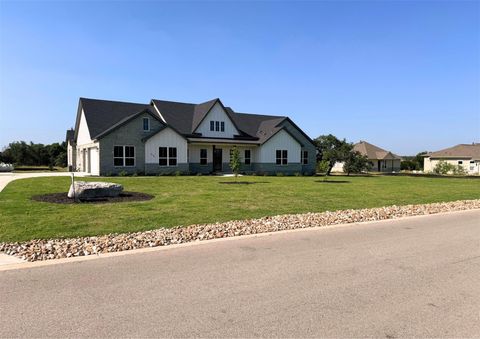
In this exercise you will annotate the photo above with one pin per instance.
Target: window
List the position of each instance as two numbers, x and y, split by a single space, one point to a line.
123 156
203 156
172 156
167 156
282 157
118 156
217 126
472 162
146 124
460 162
304 157
129 156
162 156
248 156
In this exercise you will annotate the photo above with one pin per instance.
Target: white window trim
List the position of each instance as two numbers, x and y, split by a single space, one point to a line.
124 157
281 157
200 157
249 158
302 158
167 157
143 124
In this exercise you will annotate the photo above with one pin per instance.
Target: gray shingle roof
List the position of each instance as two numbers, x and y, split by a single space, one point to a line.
70 136
102 116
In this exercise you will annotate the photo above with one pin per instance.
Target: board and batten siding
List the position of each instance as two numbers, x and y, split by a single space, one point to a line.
194 153
280 141
165 138
217 114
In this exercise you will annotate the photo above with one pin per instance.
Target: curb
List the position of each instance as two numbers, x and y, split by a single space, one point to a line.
42 263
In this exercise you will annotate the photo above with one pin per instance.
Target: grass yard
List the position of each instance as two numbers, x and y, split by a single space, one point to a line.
203 199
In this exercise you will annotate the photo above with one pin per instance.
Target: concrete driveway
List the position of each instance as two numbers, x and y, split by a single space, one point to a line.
412 277
6 178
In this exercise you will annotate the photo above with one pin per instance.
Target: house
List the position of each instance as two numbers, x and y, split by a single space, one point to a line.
111 137
465 155
381 160
71 150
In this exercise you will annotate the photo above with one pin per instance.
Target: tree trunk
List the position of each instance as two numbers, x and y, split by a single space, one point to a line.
330 166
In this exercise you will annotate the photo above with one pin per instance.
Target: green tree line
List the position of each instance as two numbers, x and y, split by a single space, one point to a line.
21 153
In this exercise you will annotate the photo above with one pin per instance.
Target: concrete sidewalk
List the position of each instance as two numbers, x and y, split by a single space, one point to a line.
6 178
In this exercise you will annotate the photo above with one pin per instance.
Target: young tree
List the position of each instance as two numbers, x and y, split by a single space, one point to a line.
332 150
419 158
356 163
235 160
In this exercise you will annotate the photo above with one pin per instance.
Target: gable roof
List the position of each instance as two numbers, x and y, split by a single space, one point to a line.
374 152
201 111
69 137
260 126
459 151
103 115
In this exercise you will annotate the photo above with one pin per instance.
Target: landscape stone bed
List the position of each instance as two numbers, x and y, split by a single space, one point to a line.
61 198
63 248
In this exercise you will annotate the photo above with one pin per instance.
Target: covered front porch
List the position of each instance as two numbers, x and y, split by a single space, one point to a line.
213 156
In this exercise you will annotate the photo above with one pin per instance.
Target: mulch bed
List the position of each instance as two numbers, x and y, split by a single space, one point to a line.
61 198
242 182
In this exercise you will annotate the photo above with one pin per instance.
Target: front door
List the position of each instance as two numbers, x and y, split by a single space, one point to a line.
379 165
217 159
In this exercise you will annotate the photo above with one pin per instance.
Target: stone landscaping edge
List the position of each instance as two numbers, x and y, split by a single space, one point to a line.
35 250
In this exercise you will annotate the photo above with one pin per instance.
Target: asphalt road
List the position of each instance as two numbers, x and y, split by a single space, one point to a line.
412 277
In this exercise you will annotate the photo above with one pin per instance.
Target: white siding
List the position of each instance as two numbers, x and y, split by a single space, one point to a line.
280 141
83 136
430 164
194 153
94 159
217 114
69 154
338 167
165 138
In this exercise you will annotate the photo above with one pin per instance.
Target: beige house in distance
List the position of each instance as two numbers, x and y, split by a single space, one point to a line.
381 160
465 155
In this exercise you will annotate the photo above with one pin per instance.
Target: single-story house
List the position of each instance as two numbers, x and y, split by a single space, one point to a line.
111 137
465 155
381 160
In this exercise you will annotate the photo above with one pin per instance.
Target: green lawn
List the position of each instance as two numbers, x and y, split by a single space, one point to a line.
201 199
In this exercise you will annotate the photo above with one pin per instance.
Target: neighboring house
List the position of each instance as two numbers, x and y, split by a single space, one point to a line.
381 160
71 150
111 137
465 155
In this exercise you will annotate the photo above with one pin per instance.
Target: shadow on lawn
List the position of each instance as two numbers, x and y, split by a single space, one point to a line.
242 182
333 181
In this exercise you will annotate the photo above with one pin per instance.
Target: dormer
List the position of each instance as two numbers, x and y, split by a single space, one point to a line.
211 119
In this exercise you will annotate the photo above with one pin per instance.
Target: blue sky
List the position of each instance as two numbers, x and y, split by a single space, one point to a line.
403 75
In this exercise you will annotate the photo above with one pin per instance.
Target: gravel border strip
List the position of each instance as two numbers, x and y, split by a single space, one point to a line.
35 250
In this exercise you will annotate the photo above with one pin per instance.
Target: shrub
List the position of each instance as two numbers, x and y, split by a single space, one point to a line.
444 168
322 166
122 173
459 170
178 173
279 174
297 174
